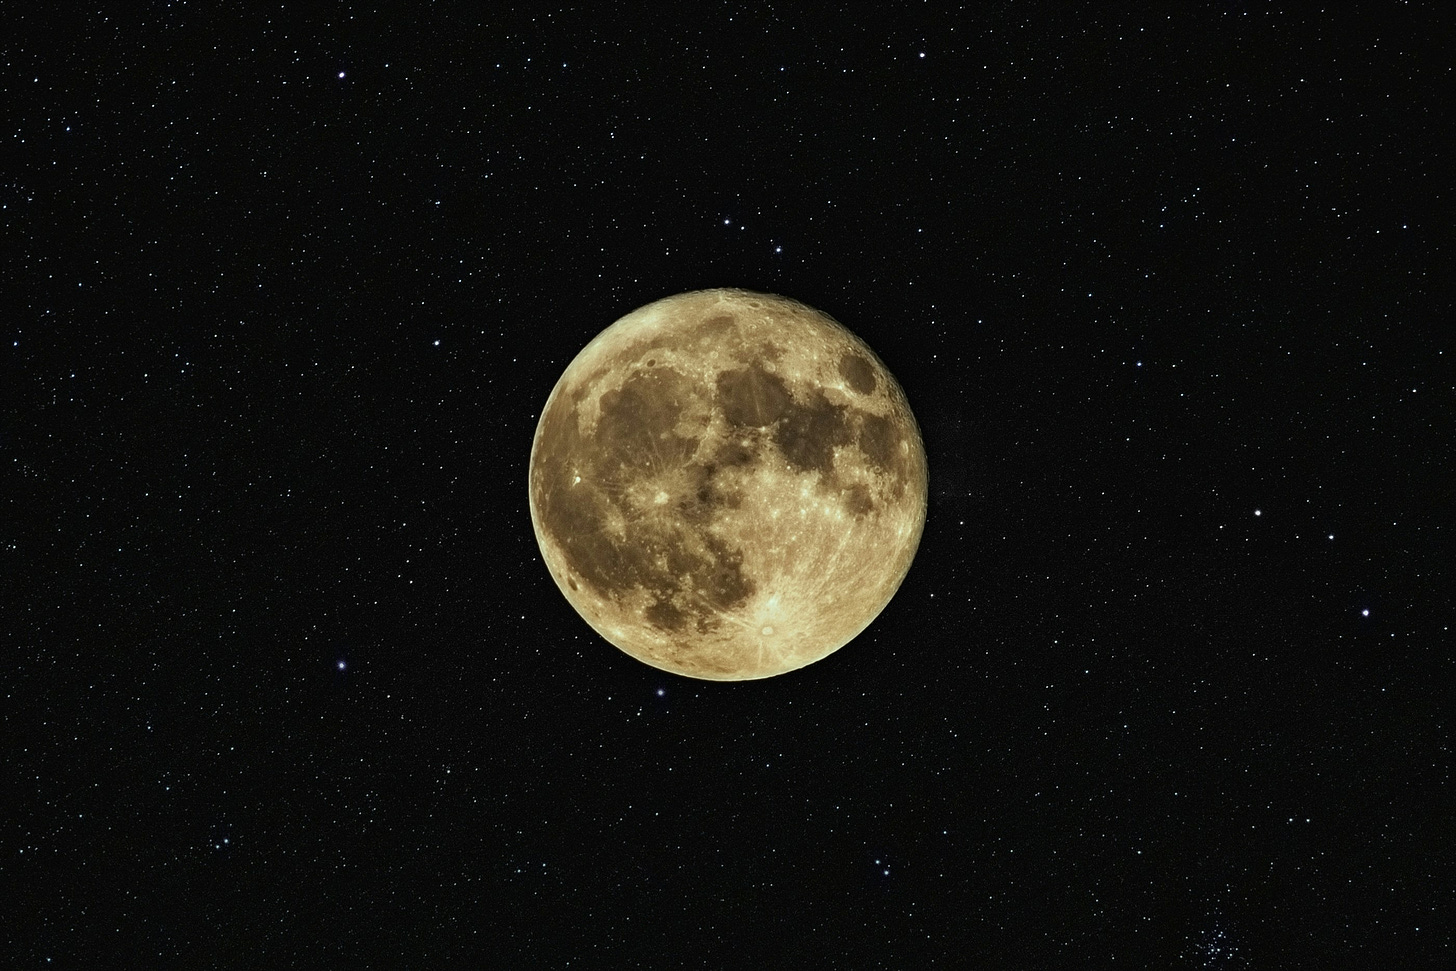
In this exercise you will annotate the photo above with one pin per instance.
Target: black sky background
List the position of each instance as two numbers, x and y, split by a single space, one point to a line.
290 686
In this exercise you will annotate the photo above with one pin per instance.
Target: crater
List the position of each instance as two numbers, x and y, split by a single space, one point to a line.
858 373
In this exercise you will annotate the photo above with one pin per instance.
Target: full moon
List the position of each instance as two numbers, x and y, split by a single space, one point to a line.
727 485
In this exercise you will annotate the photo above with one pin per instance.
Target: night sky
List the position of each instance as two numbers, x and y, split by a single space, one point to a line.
287 682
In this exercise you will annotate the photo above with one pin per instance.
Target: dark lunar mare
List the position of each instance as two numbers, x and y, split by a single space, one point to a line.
688 573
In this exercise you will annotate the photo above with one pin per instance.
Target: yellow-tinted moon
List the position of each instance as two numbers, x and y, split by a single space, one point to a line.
727 485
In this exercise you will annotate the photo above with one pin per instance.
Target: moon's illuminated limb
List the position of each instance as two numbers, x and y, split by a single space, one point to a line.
727 485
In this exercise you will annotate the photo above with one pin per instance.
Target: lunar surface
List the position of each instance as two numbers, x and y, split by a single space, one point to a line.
727 485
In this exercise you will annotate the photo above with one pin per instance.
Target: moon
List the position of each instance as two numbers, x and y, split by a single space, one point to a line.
727 485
